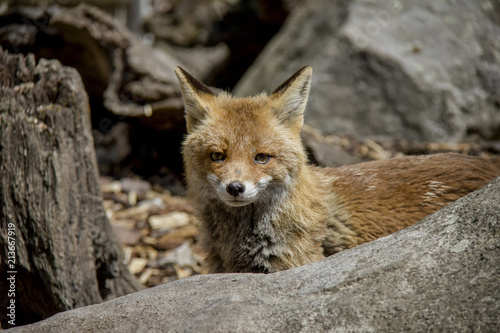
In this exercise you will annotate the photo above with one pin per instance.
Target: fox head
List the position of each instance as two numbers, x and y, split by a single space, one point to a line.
243 150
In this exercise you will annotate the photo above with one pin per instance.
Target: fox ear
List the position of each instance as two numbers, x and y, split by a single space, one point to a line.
291 98
195 96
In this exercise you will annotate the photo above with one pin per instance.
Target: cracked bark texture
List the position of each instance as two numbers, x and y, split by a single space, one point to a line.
66 254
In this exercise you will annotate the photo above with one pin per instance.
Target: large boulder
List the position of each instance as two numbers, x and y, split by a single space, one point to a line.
57 248
425 71
441 274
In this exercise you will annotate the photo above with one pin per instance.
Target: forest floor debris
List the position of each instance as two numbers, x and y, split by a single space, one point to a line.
158 231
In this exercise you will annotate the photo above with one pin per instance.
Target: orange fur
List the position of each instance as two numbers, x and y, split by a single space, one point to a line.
264 209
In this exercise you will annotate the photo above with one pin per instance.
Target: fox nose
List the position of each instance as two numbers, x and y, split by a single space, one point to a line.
235 188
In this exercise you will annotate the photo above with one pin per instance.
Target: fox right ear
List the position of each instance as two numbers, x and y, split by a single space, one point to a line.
291 98
194 94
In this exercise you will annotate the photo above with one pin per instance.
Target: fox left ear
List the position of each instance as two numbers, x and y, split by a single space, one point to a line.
195 95
291 98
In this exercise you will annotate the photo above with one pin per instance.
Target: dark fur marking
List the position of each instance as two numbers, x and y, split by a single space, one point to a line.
197 85
303 90
290 80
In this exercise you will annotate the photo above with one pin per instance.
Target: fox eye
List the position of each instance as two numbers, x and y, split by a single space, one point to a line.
262 158
217 157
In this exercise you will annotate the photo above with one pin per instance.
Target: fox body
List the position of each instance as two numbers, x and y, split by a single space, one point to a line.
264 209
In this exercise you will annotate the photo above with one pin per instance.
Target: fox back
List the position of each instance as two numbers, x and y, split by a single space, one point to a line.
264 209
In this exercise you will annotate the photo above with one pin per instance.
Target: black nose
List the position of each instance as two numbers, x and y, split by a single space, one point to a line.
235 188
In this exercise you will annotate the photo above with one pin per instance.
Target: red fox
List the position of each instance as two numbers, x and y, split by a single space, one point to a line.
264 209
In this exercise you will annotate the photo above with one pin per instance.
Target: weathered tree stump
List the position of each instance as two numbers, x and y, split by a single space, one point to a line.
65 253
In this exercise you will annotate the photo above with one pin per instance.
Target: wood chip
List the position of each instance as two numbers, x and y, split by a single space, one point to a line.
182 272
126 236
137 265
146 274
176 237
112 187
168 221
132 198
135 185
129 224
144 208
127 251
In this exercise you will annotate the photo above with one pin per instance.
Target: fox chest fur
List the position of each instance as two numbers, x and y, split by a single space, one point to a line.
264 209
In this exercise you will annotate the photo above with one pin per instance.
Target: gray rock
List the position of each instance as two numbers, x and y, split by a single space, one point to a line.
326 153
427 71
441 274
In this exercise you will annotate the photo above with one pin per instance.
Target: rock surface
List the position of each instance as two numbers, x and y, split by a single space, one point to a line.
65 253
441 274
417 70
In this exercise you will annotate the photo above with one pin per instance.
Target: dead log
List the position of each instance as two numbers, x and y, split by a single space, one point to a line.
51 207
128 77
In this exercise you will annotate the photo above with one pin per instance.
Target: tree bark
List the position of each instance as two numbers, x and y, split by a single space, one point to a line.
51 207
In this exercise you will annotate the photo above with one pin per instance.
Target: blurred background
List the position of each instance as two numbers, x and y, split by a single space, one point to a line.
390 78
